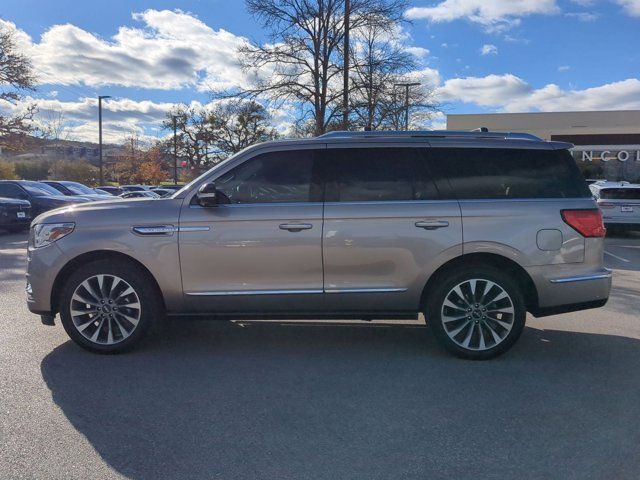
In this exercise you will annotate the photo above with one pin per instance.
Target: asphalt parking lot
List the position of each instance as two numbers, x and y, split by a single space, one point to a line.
288 401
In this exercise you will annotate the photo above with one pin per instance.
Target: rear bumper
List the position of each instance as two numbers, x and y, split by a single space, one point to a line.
569 290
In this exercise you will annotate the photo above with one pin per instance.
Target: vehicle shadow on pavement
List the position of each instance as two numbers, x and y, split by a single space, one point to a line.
221 400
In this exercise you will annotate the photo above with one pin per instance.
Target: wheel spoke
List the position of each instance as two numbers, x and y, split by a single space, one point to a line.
90 304
488 310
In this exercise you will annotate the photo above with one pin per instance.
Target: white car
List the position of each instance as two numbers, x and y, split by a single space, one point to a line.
619 202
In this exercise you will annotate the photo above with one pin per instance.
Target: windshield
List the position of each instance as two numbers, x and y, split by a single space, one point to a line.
39 189
78 188
620 193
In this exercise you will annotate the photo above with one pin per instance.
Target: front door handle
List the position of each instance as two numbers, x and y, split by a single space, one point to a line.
432 224
295 227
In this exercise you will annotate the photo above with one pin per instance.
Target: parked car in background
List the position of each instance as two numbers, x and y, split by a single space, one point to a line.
15 215
619 202
134 188
41 196
163 192
142 194
99 191
171 187
115 191
75 189
361 225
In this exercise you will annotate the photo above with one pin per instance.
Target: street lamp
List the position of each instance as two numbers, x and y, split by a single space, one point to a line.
175 150
406 86
100 97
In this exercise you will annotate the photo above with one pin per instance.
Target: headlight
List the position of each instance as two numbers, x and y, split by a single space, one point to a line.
47 233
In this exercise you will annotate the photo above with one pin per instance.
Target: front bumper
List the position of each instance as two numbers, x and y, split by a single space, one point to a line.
43 266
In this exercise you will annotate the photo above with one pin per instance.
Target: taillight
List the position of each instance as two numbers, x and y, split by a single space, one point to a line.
587 223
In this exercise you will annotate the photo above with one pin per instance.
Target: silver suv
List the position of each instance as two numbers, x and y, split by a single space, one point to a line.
473 229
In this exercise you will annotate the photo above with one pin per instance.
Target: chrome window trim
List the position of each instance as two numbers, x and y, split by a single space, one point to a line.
583 278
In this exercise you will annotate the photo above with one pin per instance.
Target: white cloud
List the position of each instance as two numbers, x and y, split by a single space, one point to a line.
419 52
583 16
169 50
632 7
495 15
489 49
512 94
564 68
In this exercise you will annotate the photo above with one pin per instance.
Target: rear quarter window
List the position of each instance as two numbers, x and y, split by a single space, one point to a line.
620 193
504 173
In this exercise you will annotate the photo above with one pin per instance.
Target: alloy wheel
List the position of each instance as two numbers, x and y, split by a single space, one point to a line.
105 309
477 314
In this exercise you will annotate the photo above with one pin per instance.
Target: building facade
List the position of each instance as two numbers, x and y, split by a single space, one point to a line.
607 143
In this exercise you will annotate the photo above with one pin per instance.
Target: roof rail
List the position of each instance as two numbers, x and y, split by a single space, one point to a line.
432 134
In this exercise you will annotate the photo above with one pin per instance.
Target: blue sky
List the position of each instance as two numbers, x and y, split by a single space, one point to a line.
483 55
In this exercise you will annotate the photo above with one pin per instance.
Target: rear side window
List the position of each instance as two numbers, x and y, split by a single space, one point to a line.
620 193
376 174
501 173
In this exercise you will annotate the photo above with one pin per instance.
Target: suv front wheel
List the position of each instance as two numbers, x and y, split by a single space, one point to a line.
476 312
107 306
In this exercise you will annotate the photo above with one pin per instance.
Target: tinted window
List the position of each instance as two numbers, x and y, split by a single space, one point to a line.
620 193
488 173
9 190
39 189
377 174
270 178
78 188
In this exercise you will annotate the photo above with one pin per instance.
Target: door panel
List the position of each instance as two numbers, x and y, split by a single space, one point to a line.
246 253
385 229
376 258
260 251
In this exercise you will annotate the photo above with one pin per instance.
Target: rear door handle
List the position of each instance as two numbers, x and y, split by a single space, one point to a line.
295 227
432 224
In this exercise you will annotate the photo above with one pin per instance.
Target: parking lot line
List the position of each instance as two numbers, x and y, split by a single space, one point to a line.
616 257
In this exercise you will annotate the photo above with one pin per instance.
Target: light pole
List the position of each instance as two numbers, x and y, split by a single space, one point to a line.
175 150
345 94
406 86
100 97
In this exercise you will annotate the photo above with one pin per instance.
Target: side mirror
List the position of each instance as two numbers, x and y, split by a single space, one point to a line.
207 195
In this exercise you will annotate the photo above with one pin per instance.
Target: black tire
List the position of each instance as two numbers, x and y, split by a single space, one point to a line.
151 306
435 305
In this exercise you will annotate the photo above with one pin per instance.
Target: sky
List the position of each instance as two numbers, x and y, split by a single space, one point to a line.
476 55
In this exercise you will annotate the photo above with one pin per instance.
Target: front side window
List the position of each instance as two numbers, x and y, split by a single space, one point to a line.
502 173
377 174
274 177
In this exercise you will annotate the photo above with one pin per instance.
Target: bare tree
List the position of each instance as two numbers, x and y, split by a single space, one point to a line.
302 63
422 106
16 77
207 136
239 124
194 134
53 125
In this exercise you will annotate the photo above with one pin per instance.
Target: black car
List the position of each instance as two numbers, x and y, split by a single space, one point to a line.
15 215
42 197
75 189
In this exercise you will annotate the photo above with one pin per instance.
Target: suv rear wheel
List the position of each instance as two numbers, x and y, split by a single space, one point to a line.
107 306
477 312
